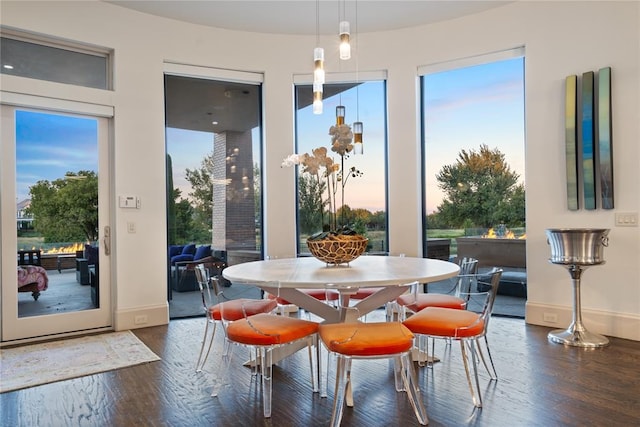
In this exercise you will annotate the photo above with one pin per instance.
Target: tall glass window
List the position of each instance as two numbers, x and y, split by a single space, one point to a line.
364 205
474 149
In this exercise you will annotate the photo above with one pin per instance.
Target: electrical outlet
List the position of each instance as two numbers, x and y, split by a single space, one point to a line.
140 319
550 317
131 227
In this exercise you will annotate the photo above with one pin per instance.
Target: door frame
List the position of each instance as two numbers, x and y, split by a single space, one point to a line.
14 329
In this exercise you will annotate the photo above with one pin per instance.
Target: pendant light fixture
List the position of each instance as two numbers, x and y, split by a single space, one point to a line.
340 113
318 63
317 98
344 30
345 46
318 67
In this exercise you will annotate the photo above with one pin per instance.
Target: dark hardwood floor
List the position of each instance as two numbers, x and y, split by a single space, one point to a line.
540 384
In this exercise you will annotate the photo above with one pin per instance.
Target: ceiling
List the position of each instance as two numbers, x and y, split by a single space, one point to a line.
275 16
195 103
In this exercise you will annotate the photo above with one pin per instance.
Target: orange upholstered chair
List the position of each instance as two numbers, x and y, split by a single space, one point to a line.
263 333
457 298
461 325
233 310
357 340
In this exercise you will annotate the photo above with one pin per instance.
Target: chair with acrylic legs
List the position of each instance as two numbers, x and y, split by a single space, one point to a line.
371 340
464 326
213 309
264 334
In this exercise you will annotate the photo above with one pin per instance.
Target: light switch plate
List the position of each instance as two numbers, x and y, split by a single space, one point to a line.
628 219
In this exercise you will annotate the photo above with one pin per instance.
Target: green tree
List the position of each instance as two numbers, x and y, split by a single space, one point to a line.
310 192
66 209
171 202
435 221
361 215
378 220
257 193
481 189
201 181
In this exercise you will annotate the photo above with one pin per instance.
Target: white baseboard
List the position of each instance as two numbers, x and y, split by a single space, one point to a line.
601 322
141 317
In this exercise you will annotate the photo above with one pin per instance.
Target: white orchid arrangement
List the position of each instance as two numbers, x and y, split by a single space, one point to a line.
322 168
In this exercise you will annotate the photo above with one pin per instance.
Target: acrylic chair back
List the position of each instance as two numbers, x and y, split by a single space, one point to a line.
490 296
205 284
466 278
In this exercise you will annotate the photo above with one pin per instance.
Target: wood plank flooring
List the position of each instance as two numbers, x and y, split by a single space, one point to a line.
540 384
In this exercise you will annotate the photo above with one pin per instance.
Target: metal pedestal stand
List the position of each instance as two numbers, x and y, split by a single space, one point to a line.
576 334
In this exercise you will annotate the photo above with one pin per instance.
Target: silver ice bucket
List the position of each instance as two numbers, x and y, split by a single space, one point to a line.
577 246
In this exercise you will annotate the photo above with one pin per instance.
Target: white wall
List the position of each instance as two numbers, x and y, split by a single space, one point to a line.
560 39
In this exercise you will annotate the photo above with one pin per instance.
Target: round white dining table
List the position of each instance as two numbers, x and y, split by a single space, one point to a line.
284 277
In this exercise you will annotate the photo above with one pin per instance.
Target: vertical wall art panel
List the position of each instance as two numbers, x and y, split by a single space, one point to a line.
605 153
571 141
588 170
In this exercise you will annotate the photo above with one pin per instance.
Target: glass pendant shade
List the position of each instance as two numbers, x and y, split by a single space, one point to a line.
318 65
345 46
340 113
357 138
317 98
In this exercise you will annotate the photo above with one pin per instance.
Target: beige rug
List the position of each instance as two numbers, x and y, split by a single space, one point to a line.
37 364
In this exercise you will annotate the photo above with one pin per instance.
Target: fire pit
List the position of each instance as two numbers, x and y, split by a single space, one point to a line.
576 249
62 258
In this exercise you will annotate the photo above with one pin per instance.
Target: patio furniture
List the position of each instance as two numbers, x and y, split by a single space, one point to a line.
32 278
182 266
85 264
29 257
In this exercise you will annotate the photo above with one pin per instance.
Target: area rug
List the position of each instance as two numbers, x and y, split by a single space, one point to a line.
43 363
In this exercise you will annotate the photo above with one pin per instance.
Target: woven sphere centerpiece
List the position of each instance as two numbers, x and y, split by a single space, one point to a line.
338 249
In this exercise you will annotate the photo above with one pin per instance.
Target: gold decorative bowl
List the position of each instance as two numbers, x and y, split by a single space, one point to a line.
338 249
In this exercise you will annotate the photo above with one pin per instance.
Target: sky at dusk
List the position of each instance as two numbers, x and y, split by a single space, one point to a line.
50 145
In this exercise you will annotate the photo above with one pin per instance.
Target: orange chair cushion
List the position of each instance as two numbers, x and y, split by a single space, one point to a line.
319 294
364 293
232 310
421 301
445 322
269 329
366 339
